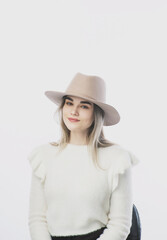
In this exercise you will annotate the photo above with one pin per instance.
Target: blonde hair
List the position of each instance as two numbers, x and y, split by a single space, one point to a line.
95 137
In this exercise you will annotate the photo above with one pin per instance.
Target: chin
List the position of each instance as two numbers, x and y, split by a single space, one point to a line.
72 128
69 126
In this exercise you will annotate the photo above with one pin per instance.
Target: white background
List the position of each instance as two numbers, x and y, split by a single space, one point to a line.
43 44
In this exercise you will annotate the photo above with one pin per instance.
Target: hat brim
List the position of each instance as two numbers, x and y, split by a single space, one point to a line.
111 116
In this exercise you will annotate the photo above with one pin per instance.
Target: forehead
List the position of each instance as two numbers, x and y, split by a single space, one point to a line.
78 99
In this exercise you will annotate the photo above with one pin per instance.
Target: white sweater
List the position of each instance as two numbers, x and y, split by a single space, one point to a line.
70 196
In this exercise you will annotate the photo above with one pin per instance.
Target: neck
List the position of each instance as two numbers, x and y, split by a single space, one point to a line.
78 138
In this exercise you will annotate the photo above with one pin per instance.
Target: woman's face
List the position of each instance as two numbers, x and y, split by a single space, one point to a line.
78 109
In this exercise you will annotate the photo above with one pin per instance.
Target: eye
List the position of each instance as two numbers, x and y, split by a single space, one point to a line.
68 103
84 107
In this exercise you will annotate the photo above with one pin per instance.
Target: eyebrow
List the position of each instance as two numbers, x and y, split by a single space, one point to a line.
80 101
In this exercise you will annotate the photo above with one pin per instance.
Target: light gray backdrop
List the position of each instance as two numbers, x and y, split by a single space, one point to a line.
42 46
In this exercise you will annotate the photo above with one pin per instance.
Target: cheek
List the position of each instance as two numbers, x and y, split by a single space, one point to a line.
64 113
64 110
89 118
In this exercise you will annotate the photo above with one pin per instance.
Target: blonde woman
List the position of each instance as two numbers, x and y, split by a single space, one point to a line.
81 186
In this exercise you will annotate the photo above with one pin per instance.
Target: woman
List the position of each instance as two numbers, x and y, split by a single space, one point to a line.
81 187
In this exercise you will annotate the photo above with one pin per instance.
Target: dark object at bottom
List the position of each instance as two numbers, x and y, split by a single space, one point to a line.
89 236
135 231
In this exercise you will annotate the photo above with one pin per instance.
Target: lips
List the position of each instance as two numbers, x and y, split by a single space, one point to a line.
73 120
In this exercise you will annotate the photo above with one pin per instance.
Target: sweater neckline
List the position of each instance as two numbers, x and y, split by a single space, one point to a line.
76 145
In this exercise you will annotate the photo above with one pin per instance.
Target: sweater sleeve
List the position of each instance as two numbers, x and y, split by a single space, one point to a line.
37 221
121 201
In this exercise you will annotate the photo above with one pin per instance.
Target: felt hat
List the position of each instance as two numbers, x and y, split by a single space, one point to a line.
91 88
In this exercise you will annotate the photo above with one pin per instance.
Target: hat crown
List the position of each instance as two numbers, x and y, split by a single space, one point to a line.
92 87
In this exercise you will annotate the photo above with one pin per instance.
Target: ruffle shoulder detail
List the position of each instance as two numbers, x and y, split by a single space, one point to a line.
123 160
37 164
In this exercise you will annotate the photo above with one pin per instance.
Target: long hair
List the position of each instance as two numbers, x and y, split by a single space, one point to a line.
95 136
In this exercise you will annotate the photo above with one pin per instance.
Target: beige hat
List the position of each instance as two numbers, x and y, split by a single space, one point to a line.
91 88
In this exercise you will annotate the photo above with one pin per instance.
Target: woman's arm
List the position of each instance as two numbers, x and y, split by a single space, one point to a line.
121 206
37 211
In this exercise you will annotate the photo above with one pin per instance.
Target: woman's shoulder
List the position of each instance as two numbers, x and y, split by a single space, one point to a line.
38 157
120 159
41 148
117 155
114 149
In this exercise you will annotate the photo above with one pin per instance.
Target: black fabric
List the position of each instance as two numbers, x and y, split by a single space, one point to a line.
89 236
135 231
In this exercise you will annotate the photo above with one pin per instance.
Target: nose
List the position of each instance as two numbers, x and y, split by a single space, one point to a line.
74 111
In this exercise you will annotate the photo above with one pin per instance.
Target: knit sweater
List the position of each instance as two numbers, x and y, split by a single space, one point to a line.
70 196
